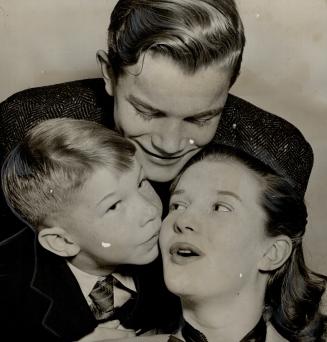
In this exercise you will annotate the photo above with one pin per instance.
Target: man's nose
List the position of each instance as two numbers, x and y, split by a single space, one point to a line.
169 140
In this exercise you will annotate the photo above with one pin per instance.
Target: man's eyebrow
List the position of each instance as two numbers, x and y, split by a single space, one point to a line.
207 113
105 197
229 193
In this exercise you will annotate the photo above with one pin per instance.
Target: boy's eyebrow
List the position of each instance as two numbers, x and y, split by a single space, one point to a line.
212 112
105 197
140 174
177 192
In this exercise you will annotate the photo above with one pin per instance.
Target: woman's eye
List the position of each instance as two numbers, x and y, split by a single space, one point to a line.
220 207
176 206
115 206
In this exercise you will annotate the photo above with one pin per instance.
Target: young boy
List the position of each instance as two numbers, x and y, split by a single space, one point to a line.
78 185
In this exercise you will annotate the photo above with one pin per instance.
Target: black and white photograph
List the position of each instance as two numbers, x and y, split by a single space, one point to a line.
163 170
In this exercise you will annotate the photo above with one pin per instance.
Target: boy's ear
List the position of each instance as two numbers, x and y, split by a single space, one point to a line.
58 241
107 72
276 254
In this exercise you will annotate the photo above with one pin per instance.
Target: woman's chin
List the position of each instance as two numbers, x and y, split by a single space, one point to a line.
179 285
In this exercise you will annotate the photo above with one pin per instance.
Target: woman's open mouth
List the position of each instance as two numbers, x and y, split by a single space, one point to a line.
183 252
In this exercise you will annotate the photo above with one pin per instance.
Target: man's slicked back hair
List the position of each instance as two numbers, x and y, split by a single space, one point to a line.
194 33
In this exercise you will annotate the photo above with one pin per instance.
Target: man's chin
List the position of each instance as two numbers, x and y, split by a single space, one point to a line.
161 173
161 176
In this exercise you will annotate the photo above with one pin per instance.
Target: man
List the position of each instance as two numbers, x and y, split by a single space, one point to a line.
169 67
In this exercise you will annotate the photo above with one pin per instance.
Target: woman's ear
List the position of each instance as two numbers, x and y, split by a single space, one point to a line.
107 72
58 241
276 254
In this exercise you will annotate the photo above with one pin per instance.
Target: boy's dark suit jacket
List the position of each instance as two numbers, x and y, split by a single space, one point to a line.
41 299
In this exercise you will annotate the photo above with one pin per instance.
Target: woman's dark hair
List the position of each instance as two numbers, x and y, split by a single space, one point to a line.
293 291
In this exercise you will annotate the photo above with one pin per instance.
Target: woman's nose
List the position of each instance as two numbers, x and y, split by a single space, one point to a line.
184 223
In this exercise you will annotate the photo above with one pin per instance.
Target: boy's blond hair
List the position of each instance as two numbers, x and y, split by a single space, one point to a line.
54 160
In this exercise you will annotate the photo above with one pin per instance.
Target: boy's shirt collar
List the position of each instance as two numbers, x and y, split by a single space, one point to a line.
87 281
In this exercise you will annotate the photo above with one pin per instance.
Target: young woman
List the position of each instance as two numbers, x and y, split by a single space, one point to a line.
232 250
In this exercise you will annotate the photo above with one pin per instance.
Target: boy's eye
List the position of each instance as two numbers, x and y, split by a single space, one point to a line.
113 207
220 207
177 206
144 182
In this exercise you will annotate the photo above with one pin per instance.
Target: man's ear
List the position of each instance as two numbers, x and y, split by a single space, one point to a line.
107 72
58 241
276 254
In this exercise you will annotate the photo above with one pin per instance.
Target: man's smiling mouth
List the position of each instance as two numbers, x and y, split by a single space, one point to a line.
162 157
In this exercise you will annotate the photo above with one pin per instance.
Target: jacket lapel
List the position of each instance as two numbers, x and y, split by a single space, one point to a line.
68 314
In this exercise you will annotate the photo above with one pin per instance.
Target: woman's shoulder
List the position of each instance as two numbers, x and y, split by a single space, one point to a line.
152 338
273 335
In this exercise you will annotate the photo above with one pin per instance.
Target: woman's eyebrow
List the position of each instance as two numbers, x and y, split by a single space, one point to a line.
229 193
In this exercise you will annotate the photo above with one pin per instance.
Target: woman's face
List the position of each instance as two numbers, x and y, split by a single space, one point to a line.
213 237
167 113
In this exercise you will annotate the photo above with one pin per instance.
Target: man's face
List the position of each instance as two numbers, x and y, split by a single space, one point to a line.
213 237
115 219
168 114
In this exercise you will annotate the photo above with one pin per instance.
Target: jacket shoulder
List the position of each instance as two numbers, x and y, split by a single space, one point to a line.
82 99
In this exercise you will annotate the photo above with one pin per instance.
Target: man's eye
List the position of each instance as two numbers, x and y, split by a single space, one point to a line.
176 206
148 115
220 207
144 115
114 207
201 121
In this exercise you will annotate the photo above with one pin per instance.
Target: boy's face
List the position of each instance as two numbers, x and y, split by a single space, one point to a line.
168 114
115 219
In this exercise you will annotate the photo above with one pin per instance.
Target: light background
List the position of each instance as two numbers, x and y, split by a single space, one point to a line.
284 70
